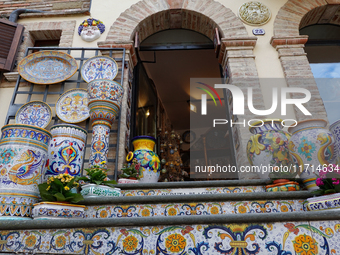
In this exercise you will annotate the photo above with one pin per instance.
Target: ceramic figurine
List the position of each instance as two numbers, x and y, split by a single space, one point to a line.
150 165
66 150
105 98
91 29
312 148
23 155
268 146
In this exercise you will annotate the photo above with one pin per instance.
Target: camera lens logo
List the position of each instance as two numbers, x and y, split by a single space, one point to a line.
204 97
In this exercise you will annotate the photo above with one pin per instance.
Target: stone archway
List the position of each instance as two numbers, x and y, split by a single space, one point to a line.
236 55
289 43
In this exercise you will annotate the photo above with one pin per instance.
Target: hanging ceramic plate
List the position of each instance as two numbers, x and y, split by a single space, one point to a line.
99 67
35 113
47 67
71 106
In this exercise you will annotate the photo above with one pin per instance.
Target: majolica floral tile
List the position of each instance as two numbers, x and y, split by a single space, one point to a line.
276 238
188 191
187 209
326 234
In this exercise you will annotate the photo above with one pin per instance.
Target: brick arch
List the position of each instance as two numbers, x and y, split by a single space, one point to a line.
289 17
149 16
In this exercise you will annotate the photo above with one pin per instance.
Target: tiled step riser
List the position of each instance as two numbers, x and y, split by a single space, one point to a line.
189 209
192 191
315 237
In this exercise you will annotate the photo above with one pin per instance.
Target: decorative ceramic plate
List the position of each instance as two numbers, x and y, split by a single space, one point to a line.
71 106
47 67
99 67
35 113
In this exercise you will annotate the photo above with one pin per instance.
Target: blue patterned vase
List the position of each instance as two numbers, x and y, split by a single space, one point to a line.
150 165
312 148
66 150
335 129
268 148
105 97
23 155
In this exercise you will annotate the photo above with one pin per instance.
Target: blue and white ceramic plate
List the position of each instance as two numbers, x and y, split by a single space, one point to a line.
35 113
99 67
47 67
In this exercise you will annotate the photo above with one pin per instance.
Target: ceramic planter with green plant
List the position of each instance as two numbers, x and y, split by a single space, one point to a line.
130 172
97 184
328 194
59 197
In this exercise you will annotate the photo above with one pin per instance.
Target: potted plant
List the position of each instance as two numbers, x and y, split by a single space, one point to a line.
97 184
59 196
282 180
328 194
131 172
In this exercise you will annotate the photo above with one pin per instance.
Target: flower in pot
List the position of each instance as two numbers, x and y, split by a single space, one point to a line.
131 172
59 199
328 194
96 183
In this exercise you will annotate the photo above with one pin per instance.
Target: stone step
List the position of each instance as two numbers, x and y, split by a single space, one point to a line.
280 233
197 187
201 204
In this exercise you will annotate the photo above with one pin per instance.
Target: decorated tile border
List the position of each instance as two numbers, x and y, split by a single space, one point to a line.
277 238
192 191
187 209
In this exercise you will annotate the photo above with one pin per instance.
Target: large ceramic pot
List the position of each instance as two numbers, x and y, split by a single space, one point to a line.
268 148
105 97
150 165
66 150
57 210
23 155
335 129
94 190
312 148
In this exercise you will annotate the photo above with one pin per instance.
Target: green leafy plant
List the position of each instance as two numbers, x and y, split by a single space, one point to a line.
328 180
97 175
59 189
283 173
131 170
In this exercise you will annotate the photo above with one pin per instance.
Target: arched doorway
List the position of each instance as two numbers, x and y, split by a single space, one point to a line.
323 51
235 55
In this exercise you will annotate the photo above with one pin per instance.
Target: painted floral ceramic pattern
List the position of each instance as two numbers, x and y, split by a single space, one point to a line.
47 67
72 106
188 209
258 238
35 113
99 67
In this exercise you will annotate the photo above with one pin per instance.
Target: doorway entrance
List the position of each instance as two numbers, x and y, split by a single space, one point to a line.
167 61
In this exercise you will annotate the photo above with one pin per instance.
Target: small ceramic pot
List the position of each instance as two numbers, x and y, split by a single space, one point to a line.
283 185
325 202
123 180
94 190
268 147
150 165
57 210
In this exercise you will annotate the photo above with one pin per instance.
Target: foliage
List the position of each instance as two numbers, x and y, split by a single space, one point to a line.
131 170
97 175
59 189
328 180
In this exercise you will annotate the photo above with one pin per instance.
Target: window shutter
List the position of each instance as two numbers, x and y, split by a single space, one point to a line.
10 40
